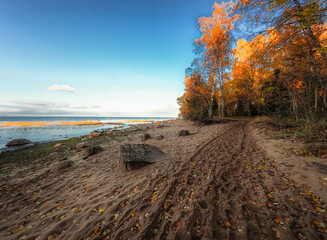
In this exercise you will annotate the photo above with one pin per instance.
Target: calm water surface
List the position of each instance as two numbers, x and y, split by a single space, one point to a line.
57 132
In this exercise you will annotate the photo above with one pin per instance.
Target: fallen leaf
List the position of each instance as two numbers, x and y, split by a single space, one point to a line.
101 210
278 220
192 196
320 210
74 209
227 224
96 231
276 233
197 221
63 216
270 195
17 229
132 214
60 206
301 236
319 224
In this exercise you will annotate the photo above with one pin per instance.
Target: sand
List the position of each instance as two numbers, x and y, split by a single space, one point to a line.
220 182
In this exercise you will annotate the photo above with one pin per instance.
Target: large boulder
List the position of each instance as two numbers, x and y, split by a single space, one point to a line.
18 142
134 156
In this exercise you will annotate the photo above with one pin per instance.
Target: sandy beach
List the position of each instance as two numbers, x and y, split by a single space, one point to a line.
223 181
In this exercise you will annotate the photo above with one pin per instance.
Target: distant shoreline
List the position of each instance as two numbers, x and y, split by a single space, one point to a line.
44 132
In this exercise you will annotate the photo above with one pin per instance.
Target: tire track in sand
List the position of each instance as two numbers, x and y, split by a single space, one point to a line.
228 189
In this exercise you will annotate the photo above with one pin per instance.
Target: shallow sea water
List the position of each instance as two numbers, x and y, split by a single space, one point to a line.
49 133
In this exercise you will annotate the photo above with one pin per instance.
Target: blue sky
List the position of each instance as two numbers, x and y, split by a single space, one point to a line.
103 57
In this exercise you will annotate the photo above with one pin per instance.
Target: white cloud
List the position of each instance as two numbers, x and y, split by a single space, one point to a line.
25 108
114 87
65 88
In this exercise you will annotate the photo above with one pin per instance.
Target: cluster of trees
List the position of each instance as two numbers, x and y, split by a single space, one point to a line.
280 69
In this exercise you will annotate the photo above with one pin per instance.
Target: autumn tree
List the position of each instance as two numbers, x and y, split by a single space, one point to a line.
194 104
280 70
299 28
249 71
216 45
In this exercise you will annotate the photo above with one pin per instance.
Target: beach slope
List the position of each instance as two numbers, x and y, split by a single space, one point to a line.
218 182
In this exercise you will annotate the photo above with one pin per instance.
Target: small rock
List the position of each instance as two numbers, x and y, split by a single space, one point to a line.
145 136
18 142
183 133
82 145
63 166
93 150
84 139
58 145
94 134
159 137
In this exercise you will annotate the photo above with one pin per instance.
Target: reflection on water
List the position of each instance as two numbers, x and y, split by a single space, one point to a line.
48 133
45 129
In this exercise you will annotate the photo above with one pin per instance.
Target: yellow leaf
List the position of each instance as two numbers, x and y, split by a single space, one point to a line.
17 229
74 209
278 220
60 206
101 210
270 195
319 224
228 224
192 196
197 221
320 209
132 214
96 231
